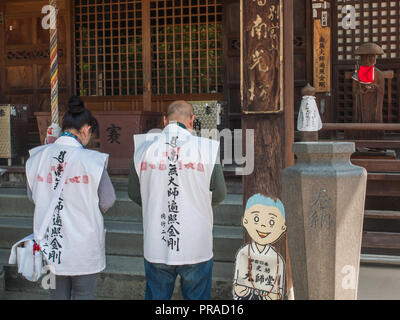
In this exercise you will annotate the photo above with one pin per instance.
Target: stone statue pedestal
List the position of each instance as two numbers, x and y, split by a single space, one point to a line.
324 197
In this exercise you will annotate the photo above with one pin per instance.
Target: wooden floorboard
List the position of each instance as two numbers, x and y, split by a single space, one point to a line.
379 214
384 240
378 165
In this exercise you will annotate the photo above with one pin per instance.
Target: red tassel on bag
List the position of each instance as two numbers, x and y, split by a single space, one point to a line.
36 247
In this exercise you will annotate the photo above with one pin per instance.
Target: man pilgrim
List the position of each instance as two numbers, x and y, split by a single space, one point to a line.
175 179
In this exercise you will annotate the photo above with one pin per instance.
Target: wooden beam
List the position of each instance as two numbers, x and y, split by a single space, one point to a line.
384 177
383 188
379 214
384 144
264 55
2 53
387 74
71 48
146 34
361 126
378 165
384 240
288 84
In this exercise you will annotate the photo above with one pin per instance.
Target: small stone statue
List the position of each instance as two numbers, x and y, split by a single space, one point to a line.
308 121
369 91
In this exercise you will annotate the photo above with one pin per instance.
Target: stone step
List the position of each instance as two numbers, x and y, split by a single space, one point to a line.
11 177
123 278
15 203
16 295
125 238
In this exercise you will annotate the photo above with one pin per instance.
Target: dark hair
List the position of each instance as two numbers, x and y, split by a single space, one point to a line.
77 116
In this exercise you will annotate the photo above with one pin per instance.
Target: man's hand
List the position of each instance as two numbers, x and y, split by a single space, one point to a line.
242 291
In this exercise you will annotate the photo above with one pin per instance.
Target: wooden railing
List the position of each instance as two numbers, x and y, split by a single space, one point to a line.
361 126
377 164
159 102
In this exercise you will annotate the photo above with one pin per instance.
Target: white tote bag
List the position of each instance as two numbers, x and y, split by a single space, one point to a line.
30 262
25 253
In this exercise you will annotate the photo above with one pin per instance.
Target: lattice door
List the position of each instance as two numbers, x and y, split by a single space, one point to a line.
186 42
376 21
186 47
108 38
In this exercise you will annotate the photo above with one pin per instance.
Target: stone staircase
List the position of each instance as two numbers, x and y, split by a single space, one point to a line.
124 276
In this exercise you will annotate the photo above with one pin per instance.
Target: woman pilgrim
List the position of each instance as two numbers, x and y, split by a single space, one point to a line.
74 236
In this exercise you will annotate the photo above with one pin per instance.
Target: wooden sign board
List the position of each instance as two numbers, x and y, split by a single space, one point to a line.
261 52
322 57
322 45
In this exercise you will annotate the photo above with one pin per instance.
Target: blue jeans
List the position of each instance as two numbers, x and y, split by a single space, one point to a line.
195 280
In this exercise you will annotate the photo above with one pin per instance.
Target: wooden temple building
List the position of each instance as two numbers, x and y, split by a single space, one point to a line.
128 59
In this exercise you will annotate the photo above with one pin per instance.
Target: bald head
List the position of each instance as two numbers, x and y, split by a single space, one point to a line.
179 111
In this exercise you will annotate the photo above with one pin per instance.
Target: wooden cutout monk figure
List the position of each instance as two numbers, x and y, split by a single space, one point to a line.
259 268
368 91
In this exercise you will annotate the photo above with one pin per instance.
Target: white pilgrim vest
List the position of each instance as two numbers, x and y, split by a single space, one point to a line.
267 265
74 243
174 169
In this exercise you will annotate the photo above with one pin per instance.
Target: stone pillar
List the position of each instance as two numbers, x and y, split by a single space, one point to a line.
324 197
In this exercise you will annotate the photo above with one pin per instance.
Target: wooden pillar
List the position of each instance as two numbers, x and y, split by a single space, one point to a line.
267 90
2 53
146 36
70 21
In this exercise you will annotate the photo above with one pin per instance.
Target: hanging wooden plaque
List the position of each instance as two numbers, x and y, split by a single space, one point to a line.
261 56
322 57
322 45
